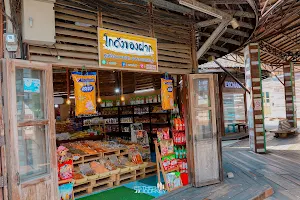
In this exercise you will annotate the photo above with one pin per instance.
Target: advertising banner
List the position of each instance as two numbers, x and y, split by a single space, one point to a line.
118 50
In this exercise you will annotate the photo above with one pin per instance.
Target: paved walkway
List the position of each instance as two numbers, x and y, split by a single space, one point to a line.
279 169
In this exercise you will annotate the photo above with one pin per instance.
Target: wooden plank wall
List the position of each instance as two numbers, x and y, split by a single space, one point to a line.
77 45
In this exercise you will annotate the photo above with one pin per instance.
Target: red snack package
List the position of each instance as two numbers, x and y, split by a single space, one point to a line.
65 170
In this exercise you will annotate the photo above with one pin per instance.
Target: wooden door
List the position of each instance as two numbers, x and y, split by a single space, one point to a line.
30 130
204 143
3 187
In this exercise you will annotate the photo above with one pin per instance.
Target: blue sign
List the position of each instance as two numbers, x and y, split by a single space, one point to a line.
32 85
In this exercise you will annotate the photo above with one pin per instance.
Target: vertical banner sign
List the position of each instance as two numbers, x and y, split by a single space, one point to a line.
249 99
85 94
118 50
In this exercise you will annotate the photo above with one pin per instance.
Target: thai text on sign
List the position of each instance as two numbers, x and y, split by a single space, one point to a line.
118 50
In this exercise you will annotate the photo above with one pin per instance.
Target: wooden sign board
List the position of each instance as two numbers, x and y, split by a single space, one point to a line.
123 51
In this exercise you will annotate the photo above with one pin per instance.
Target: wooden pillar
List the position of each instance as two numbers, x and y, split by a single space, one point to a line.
255 112
289 91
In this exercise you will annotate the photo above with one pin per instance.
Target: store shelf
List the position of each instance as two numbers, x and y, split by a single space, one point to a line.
97 137
160 123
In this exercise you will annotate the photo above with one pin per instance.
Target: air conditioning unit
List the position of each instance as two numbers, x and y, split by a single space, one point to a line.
38 22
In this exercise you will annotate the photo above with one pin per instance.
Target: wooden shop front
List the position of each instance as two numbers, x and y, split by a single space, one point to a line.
31 115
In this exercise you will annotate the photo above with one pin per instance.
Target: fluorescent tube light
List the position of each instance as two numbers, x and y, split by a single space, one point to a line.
204 10
143 91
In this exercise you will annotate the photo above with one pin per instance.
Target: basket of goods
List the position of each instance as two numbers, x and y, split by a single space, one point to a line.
79 178
99 169
135 157
123 168
124 161
88 172
110 166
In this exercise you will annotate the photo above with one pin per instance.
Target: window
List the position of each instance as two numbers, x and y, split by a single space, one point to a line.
32 124
266 97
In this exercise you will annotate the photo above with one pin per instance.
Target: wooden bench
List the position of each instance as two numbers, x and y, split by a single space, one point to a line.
283 133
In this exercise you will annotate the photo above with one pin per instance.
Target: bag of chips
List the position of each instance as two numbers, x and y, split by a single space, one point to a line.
66 191
85 93
167 96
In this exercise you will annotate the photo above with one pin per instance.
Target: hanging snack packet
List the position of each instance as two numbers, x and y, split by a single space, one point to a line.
164 147
160 135
167 96
85 95
166 133
66 191
170 146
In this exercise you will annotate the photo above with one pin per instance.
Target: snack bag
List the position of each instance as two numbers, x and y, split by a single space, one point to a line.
160 135
166 133
167 96
66 191
85 93
170 146
173 161
166 162
164 147
65 170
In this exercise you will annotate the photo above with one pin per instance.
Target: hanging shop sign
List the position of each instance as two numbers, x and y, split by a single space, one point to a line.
118 50
85 94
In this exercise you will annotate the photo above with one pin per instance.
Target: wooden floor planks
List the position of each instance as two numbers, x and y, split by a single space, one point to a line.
279 169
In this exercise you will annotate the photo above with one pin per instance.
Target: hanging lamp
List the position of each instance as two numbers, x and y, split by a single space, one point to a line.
122 96
99 100
68 87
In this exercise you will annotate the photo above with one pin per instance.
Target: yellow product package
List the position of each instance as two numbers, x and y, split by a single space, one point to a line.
167 94
85 93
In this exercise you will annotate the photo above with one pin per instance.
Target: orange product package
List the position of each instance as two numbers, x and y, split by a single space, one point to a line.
167 94
85 93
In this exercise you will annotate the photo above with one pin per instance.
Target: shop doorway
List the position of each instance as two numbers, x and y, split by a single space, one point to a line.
33 135
29 130
205 146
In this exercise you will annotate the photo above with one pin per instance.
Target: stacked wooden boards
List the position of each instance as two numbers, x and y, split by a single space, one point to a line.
76 34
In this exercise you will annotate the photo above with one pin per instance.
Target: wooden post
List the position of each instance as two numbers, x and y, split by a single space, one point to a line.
221 103
194 51
289 92
220 121
255 111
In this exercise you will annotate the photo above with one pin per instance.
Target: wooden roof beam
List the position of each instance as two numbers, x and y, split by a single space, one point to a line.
208 23
170 6
236 32
217 21
225 1
215 47
215 36
223 39
201 7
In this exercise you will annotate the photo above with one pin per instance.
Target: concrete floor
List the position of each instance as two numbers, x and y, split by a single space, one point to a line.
279 169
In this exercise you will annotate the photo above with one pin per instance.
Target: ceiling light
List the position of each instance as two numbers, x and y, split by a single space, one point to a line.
117 90
55 106
201 9
234 23
122 98
68 102
99 100
142 91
